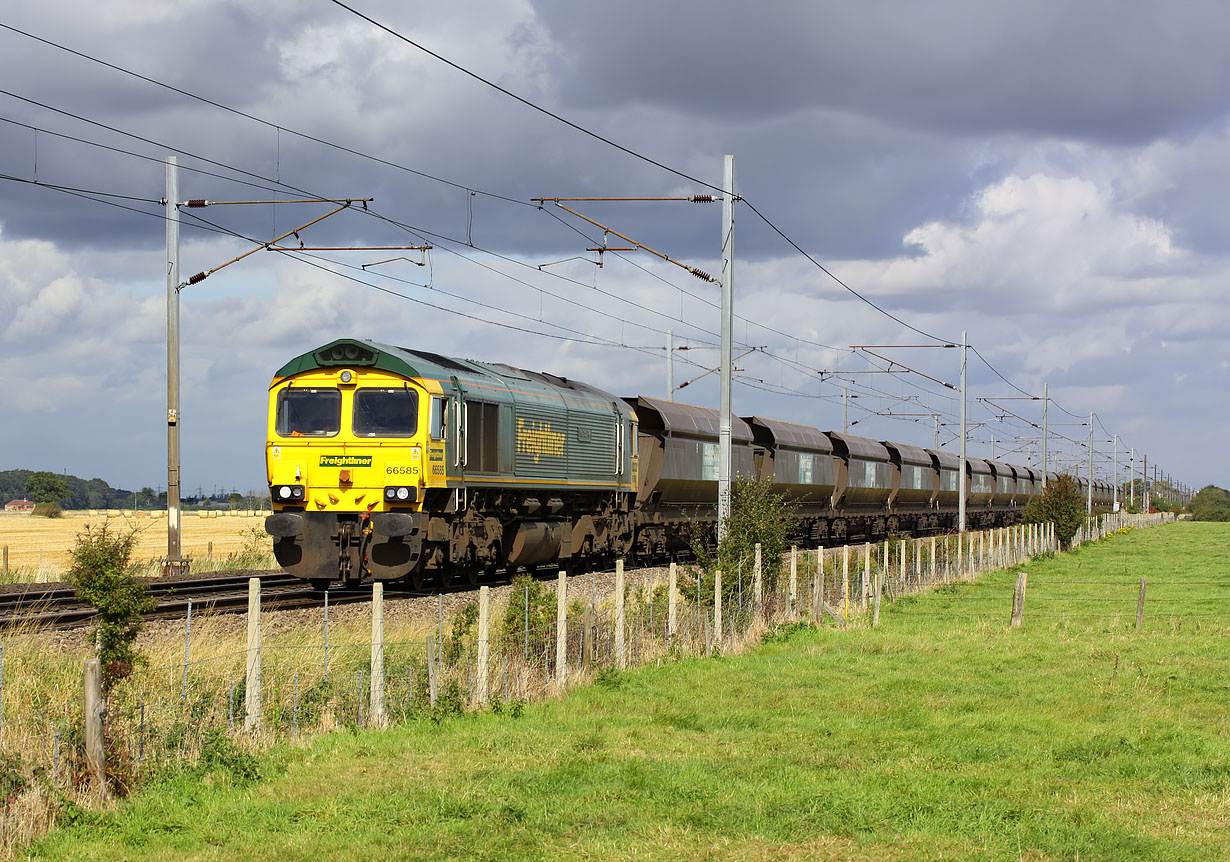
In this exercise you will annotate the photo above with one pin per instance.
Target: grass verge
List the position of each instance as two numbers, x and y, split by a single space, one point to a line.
942 733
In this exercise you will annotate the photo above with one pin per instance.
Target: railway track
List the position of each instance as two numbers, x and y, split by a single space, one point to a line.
59 607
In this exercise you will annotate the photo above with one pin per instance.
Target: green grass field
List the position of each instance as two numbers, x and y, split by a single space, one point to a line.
944 733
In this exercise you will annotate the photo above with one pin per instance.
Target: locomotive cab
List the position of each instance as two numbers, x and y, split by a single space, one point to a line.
349 447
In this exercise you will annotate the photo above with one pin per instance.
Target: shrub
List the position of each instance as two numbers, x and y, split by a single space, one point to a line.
1210 504
541 603
1060 503
47 510
102 574
758 515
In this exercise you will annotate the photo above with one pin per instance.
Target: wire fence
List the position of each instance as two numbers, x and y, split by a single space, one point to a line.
535 642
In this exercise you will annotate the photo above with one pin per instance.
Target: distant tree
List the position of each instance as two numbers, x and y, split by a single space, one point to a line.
1061 504
1210 504
235 499
13 484
44 487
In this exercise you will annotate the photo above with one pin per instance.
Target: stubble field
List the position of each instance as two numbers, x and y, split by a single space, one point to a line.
38 548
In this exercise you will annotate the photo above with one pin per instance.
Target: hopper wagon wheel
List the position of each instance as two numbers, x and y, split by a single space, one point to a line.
445 576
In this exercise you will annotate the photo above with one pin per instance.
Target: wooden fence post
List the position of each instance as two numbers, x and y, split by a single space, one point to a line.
6 559
621 648
875 616
960 556
794 582
904 553
717 609
483 670
95 753
1018 600
932 578
1140 606
433 685
561 628
845 582
817 585
672 600
865 587
757 582
377 714
918 563
252 680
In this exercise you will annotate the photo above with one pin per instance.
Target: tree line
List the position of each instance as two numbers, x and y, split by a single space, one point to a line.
72 492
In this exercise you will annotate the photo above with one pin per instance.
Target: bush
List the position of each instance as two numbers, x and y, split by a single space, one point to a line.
1060 503
542 607
47 510
1210 504
758 515
101 572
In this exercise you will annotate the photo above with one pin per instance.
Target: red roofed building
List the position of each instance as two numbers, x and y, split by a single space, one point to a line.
19 506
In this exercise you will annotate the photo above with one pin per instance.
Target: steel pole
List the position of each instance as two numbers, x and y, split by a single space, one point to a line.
172 219
1089 504
1115 468
962 479
728 272
1132 478
1046 400
845 409
1144 479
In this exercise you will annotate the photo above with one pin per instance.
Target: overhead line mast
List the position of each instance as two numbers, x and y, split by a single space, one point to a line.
175 562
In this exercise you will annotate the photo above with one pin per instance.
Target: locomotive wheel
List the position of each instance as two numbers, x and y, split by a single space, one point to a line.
416 580
445 575
470 574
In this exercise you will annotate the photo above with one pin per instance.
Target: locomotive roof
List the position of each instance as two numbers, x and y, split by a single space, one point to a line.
423 364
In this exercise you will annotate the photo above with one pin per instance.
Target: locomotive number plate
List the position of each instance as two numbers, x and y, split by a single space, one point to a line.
401 469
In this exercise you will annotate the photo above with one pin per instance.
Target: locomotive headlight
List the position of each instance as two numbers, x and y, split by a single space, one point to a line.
347 376
284 492
403 493
390 493
297 492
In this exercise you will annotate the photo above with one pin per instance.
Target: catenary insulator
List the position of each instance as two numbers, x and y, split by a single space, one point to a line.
198 278
701 199
701 274
198 202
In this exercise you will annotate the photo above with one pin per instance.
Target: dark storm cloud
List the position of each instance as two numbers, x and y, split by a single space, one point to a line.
886 180
1104 70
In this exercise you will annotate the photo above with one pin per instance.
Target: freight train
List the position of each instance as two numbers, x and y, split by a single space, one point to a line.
387 463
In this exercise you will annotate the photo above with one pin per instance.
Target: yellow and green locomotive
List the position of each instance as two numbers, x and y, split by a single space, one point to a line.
389 463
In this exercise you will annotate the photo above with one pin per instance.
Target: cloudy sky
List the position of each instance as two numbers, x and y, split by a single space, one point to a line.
1049 178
